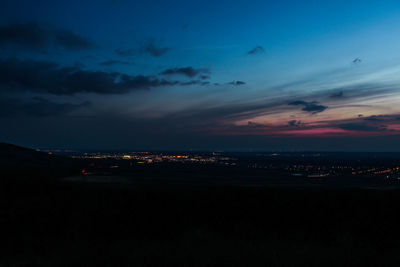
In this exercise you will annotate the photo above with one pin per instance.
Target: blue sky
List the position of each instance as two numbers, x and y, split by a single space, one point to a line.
200 74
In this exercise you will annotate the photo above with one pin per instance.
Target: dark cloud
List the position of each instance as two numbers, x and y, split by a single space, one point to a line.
237 83
361 127
294 123
313 107
125 52
150 47
337 95
36 37
357 60
256 50
29 35
153 49
114 62
49 77
71 41
375 118
194 82
36 107
186 71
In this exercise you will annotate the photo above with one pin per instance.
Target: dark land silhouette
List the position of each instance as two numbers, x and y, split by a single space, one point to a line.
58 211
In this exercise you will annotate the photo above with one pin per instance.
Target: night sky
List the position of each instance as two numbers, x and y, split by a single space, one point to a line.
201 75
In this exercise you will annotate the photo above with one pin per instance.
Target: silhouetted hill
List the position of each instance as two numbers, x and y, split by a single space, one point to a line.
24 161
12 155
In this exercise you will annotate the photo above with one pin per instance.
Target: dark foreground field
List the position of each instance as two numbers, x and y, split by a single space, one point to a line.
50 223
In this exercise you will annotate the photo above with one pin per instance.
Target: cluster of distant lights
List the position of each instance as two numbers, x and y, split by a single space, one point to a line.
322 171
149 158
216 158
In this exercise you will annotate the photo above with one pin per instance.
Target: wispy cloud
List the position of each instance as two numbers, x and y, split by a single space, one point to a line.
114 62
152 48
125 52
256 50
185 71
50 78
237 83
313 107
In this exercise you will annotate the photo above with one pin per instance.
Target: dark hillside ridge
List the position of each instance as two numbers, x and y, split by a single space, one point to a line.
17 161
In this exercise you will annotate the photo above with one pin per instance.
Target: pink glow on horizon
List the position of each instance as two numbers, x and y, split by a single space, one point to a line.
320 132
332 132
394 127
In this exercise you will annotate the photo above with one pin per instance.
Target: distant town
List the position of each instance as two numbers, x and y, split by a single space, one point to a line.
297 164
